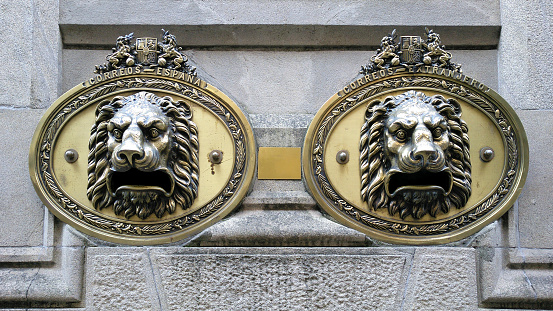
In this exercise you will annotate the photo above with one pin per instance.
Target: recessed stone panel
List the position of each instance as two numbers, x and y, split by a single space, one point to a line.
280 279
442 279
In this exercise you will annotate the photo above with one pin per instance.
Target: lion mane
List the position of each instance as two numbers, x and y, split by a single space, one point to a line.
374 164
183 160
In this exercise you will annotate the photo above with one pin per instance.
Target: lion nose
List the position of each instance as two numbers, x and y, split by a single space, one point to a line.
131 145
425 153
424 149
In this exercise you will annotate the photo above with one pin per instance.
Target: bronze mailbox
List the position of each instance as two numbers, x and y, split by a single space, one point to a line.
414 151
144 152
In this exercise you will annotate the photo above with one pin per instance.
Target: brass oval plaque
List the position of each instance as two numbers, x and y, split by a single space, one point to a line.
144 135
414 130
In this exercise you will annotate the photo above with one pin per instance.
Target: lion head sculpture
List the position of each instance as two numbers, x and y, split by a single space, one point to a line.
143 156
415 155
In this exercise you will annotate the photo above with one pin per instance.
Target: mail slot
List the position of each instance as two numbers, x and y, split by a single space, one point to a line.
413 150
144 152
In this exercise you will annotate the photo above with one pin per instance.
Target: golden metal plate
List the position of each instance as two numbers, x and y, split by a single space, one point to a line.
64 132
279 163
355 160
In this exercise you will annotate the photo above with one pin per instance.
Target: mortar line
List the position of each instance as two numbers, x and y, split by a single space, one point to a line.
520 250
407 280
154 279
45 227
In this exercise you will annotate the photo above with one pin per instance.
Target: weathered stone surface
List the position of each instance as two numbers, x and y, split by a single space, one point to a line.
480 65
16 20
281 82
286 12
489 236
490 266
49 309
536 266
281 121
58 281
280 228
55 233
272 86
280 130
287 189
525 55
174 278
516 278
534 207
120 279
31 28
21 211
262 82
34 254
78 66
280 278
283 23
46 40
442 279
68 236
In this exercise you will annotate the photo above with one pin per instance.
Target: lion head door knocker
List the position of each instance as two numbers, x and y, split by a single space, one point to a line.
420 160
439 154
153 127
143 156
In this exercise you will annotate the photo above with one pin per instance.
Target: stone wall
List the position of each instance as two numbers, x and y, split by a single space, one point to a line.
280 60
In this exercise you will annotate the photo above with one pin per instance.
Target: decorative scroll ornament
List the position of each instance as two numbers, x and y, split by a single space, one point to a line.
418 134
150 128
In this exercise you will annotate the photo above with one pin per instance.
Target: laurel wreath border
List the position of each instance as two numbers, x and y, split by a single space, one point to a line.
175 225
412 229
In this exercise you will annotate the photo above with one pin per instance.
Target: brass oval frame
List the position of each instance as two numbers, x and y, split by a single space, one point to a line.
393 234
240 185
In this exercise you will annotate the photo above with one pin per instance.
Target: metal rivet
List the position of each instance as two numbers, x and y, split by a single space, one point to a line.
216 156
342 157
486 154
71 155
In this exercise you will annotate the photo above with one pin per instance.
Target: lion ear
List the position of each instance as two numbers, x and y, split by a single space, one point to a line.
371 105
389 99
455 104
101 105
185 106
108 111
374 103
104 103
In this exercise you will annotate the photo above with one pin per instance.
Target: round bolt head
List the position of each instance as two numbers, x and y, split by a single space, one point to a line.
486 154
342 157
216 156
71 155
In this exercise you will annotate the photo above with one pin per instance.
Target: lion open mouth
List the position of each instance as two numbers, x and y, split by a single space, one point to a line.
135 179
421 180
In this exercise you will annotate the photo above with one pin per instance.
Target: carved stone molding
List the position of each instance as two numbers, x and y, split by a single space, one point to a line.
516 278
56 282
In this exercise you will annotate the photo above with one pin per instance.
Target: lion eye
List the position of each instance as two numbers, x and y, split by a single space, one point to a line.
437 132
401 135
117 133
153 132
